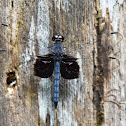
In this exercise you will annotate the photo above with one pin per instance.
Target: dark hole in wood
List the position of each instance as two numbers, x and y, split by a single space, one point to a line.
12 4
11 79
48 120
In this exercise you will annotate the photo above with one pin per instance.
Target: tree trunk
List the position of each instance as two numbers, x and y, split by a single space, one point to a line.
95 34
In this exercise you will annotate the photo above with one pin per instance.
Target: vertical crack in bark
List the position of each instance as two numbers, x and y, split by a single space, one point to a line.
54 17
98 83
101 69
48 120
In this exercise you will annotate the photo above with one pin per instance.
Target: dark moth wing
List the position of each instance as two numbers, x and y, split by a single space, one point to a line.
69 68
44 66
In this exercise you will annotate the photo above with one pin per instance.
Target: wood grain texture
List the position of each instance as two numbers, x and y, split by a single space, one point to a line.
97 97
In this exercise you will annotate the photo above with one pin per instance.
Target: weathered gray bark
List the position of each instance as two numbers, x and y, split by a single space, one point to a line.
97 97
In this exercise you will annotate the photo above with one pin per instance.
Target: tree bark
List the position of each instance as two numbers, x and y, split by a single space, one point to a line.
95 34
